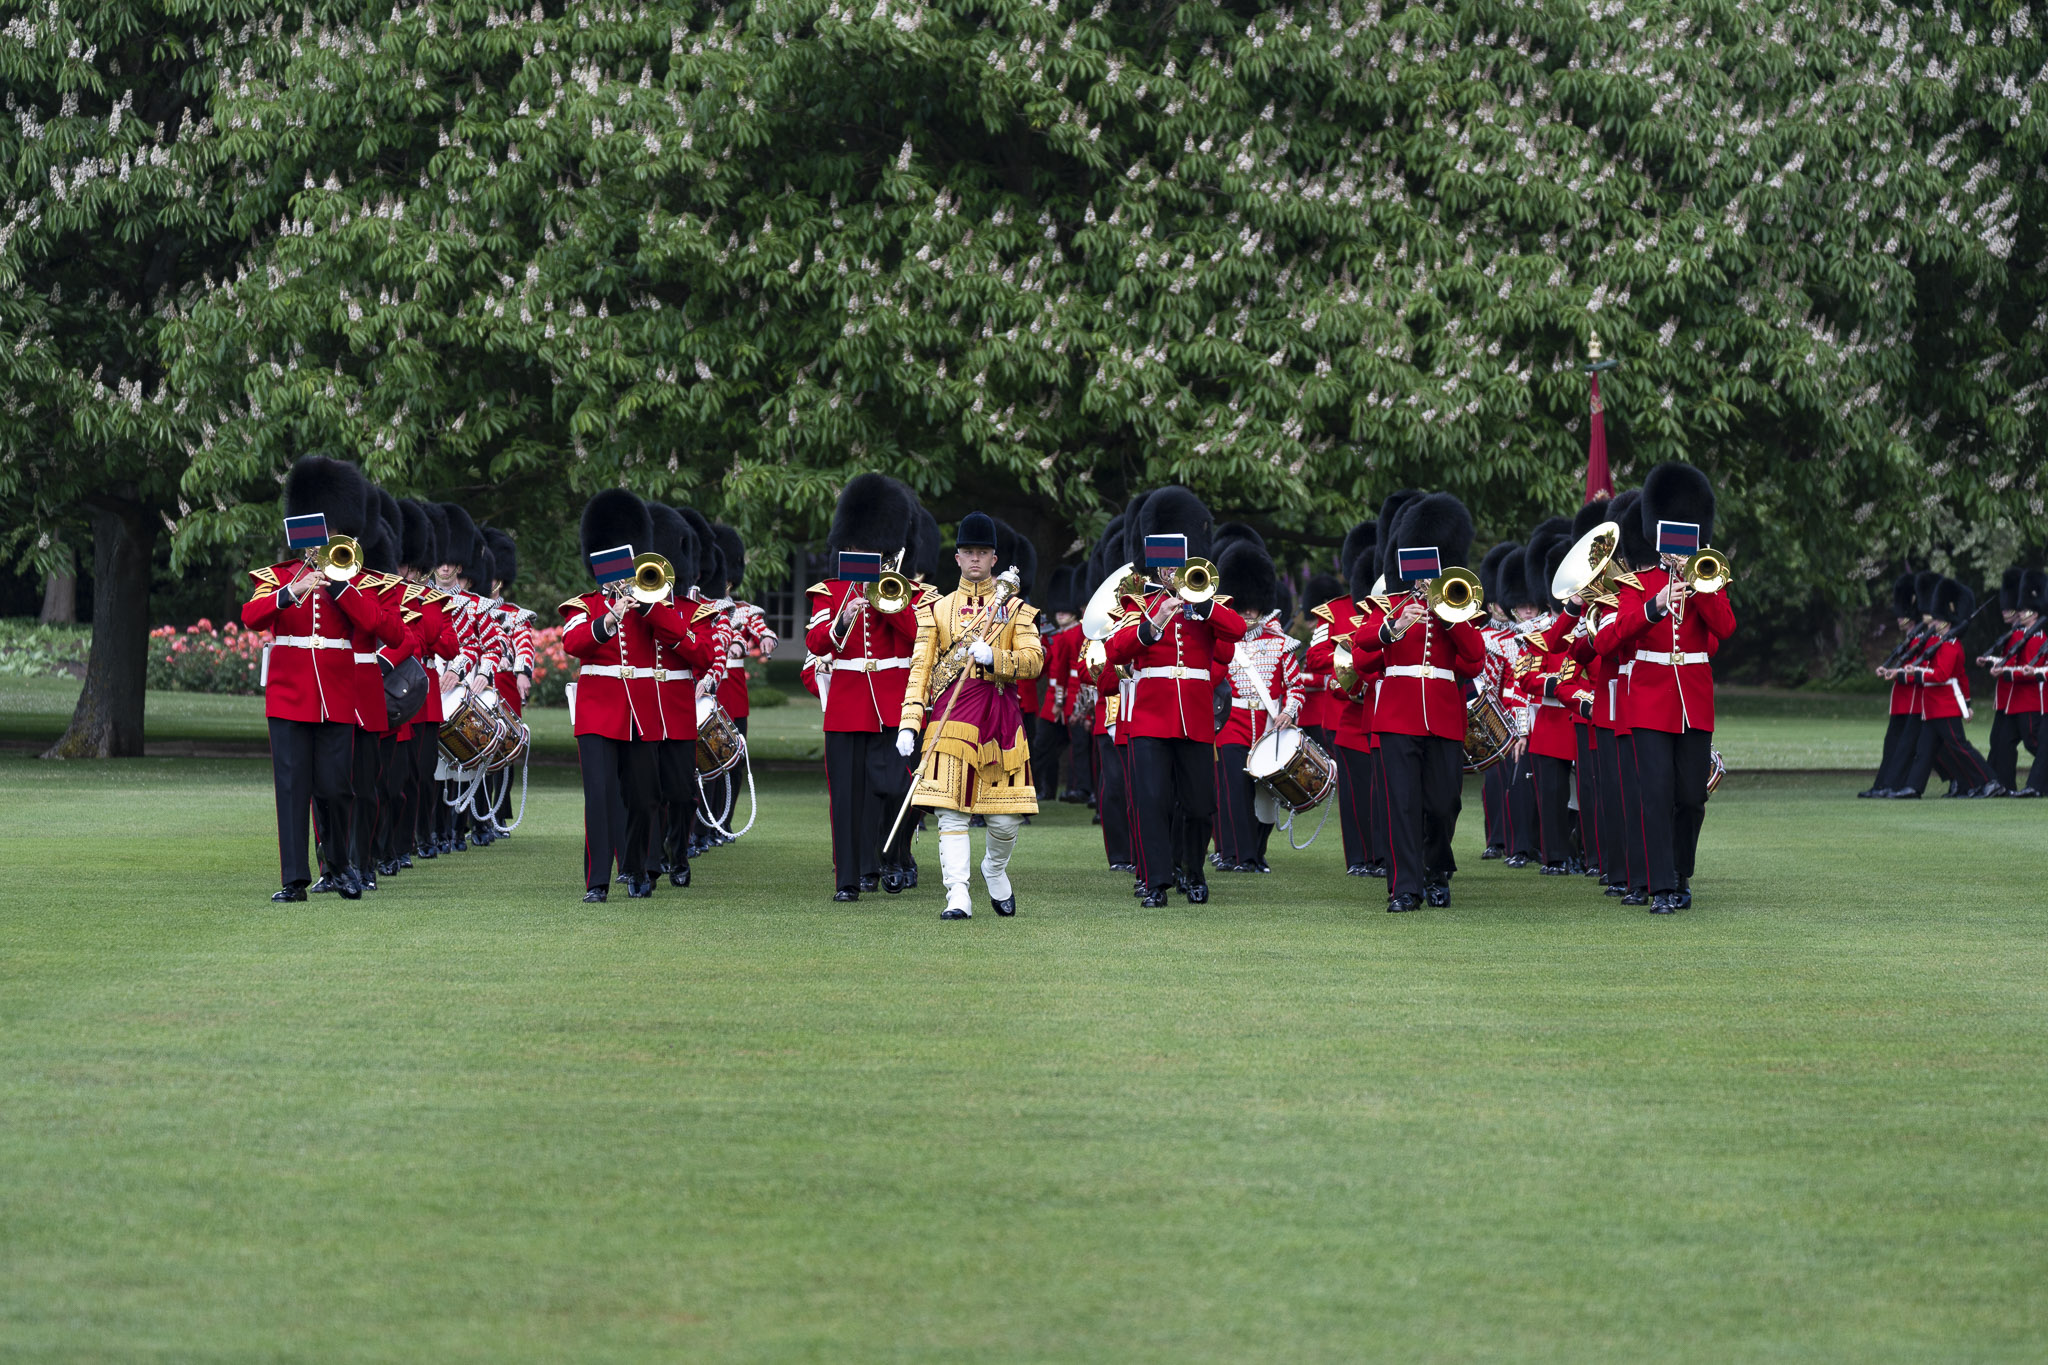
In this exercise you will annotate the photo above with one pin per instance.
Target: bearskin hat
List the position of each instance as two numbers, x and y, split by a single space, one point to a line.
616 517
1489 569
1677 492
1359 540
733 551
1174 510
2033 594
504 556
1953 602
335 489
438 549
415 536
1283 601
1364 572
929 559
1249 579
461 534
1440 520
706 546
670 537
874 514
1383 533
1637 550
1927 591
385 507
1059 590
481 570
1234 530
1550 533
1133 549
711 575
2009 589
1906 595
1014 551
1589 516
380 546
1558 550
1319 589
1511 580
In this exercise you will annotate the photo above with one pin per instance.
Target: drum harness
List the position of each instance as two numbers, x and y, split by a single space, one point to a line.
732 795
1257 686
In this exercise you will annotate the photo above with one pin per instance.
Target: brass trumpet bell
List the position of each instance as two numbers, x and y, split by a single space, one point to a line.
1706 570
1343 668
1455 595
1098 618
341 558
653 578
1588 568
1195 581
890 593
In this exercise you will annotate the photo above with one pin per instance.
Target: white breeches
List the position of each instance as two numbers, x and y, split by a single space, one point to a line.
956 852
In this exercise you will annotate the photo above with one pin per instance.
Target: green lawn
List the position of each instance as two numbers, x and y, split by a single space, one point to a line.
1759 728
472 1119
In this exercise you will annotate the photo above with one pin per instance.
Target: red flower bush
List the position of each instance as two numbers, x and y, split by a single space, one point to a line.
200 658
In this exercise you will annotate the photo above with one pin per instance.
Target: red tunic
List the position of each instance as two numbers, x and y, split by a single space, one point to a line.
1419 690
1671 685
1944 683
618 692
311 672
1172 696
869 666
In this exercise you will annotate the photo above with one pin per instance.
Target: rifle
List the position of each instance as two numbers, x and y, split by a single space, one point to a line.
1934 642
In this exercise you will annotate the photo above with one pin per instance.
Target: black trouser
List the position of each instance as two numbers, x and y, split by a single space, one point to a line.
866 780
1357 784
619 791
366 775
309 765
1672 771
1613 836
1522 822
423 793
1112 801
1237 828
1899 741
1423 778
1633 852
1586 786
394 761
1048 745
2037 777
1493 804
1553 807
2008 733
675 782
1081 761
1169 777
1942 742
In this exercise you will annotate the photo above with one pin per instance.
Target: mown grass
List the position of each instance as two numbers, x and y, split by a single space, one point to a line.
470 1118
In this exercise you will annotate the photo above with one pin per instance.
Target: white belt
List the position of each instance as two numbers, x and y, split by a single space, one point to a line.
310 642
366 658
1420 671
1177 671
630 671
1669 658
868 665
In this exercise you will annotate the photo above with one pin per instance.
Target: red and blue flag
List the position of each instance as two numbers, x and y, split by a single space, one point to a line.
611 565
1166 552
1678 537
860 566
306 533
1418 562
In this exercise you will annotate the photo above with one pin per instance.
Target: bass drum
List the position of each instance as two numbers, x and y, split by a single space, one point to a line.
474 726
720 745
1296 769
1489 732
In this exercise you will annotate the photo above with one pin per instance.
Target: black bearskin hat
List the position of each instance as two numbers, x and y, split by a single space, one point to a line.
1249 579
439 551
1364 572
615 517
1558 550
706 545
384 507
1953 602
1283 602
504 556
1677 492
977 531
461 535
1927 591
480 570
1174 510
1359 540
1589 516
1235 530
874 514
1383 533
1552 533
415 537
1014 551
670 537
2009 589
930 557
733 551
1440 520
1059 590
1133 549
1319 589
1637 549
1489 569
335 489
2033 595
711 574
380 546
1906 596
1512 579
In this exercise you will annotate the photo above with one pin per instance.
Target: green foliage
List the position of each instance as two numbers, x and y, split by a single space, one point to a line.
31 650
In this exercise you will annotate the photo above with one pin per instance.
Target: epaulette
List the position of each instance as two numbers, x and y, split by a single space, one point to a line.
1025 614
704 609
571 607
1628 578
1324 614
267 578
819 586
407 614
1221 599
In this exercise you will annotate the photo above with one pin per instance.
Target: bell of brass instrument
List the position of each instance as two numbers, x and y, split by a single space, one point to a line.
1342 671
341 558
1706 570
1454 595
1588 568
1194 581
653 578
1098 618
892 592
1378 596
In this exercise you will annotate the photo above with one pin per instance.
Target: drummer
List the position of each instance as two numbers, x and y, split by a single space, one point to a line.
1265 691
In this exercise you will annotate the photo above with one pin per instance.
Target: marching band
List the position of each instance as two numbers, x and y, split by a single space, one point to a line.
1572 672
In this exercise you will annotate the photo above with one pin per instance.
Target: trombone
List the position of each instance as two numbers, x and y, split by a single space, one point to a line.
1195 581
1706 570
891 592
1454 595
341 558
653 578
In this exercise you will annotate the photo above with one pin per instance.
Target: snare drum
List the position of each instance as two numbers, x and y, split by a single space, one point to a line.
1488 732
513 737
720 745
473 727
1295 768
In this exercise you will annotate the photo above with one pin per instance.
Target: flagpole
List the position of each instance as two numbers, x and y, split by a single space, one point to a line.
1599 482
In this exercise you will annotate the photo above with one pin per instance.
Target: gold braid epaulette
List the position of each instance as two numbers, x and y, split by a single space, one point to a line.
704 610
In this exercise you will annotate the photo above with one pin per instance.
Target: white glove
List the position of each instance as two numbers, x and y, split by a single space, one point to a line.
983 652
906 743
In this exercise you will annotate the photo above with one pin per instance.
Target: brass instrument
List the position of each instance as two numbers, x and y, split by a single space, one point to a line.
1454 595
341 558
1098 618
1589 571
892 592
1194 581
1706 570
653 578
1342 671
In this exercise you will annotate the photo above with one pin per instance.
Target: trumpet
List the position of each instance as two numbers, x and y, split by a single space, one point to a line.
1194 581
1706 570
653 578
1454 595
891 592
341 558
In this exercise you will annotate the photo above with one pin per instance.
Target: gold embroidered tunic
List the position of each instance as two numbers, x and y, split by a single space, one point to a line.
979 760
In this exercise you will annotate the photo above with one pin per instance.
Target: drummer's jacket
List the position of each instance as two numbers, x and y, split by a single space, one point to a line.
1670 673
1171 693
312 670
870 663
1267 653
1419 690
618 688
1103 680
517 658
1347 714
1944 683
750 634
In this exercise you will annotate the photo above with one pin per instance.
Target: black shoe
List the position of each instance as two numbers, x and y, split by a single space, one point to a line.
1123 867
846 893
1553 870
1517 860
1636 898
910 875
1664 903
1376 870
595 895
1437 894
388 868
461 845
1614 889
1682 898
295 892
1355 870
1197 893
1152 900
1141 890
893 882
640 888
1005 907
1401 904
977 822
870 882
680 876
366 880
623 879
349 885
1491 852
1095 819
953 912
427 851
1904 794
328 882
1257 865
483 838
2026 792
1869 792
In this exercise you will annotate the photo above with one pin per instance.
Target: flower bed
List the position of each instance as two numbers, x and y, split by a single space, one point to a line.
203 658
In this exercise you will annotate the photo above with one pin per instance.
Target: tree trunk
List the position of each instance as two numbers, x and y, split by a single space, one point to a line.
60 596
108 721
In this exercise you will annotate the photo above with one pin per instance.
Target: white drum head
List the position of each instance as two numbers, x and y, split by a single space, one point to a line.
705 706
1274 751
